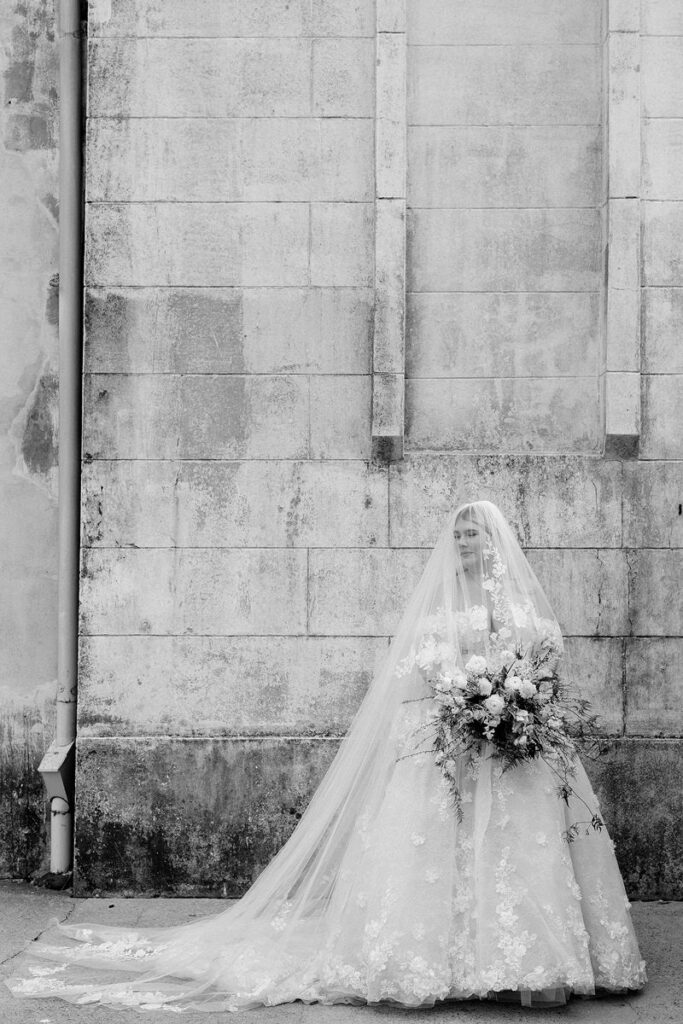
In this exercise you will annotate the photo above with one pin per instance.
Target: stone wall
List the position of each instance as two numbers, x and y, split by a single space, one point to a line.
28 415
245 560
227 429
504 118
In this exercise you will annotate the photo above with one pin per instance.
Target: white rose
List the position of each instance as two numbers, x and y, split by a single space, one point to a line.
459 680
444 652
527 689
425 656
476 665
512 683
507 657
479 618
494 704
485 687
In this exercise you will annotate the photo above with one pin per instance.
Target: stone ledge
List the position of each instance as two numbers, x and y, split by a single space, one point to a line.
204 817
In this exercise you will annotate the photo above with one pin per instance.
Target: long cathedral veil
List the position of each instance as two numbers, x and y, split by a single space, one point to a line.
237 957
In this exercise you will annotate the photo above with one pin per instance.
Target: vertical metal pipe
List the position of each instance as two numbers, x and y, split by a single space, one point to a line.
57 767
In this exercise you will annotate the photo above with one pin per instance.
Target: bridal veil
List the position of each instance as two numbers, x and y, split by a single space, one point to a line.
241 956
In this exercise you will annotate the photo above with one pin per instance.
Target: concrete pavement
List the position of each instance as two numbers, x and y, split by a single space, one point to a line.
25 912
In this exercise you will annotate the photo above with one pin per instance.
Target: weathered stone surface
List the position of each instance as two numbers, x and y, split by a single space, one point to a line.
504 250
662 317
29 159
638 784
623 110
662 158
230 78
228 330
169 416
390 116
652 494
234 504
341 417
391 15
662 17
26 727
662 433
388 391
662 76
593 666
505 334
515 21
342 244
655 602
623 15
148 685
544 414
388 345
624 243
547 165
502 85
222 244
623 329
231 18
343 72
654 682
259 159
587 589
189 816
662 252
622 405
361 592
555 501
206 591
240 799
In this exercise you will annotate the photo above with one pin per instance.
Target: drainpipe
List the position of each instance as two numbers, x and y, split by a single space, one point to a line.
57 767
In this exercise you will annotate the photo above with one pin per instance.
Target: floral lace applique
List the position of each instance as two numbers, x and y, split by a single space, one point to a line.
279 922
473 766
513 941
479 617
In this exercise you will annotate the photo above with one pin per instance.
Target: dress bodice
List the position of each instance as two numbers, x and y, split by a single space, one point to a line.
473 631
477 634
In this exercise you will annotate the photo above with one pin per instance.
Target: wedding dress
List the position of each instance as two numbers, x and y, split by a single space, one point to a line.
383 893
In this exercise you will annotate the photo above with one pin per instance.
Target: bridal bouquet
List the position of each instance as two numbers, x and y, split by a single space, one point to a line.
515 700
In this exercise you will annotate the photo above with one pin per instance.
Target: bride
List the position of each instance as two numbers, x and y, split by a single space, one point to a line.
383 892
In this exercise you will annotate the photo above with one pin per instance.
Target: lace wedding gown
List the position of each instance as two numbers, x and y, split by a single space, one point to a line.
391 896
499 901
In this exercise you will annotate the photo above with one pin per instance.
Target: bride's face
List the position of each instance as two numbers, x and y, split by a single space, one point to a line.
470 539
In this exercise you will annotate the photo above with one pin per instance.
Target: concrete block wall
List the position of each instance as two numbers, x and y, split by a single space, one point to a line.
505 242
245 560
229 299
28 423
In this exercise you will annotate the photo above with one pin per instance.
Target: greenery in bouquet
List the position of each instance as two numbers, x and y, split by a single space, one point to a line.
515 700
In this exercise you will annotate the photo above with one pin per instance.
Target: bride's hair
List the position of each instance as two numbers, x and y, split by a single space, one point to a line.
472 512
